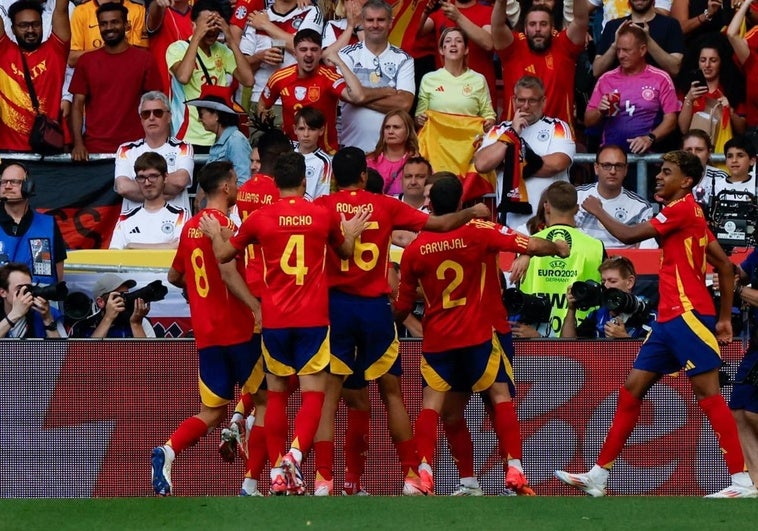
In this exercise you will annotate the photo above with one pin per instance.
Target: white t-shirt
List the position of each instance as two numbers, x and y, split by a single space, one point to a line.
704 190
393 67
178 154
141 226
545 136
627 207
318 173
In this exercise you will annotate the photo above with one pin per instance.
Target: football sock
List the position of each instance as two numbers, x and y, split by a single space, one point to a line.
461 446
245 405
406 452
356 443
508 430
306 420
256 451
426 434
624 421
725 428
276 425
188 433
323 459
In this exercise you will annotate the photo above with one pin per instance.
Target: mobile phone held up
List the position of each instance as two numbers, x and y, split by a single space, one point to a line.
698 77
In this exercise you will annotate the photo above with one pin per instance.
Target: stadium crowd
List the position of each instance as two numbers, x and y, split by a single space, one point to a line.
296 104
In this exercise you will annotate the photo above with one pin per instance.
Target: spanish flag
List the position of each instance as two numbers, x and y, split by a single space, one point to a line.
448 142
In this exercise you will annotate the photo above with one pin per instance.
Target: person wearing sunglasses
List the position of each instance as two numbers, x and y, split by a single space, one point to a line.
155 115
624 205
155 224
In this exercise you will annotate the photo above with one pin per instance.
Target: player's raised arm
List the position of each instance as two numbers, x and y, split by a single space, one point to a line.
624 233
543 247
223 250
453 220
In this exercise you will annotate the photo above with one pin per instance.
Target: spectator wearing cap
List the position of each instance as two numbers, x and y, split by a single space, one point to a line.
26 235
219 114
23 314
111 320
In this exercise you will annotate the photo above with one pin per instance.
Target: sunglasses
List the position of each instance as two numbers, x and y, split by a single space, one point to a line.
157 112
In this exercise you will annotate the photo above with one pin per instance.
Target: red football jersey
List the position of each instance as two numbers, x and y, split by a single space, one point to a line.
293 234
449 267
365 274
321 90
257 192
556 69
242 8
218 317
683 235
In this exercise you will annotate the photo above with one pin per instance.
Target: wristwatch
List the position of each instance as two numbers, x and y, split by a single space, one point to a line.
357 28
652 137
52 327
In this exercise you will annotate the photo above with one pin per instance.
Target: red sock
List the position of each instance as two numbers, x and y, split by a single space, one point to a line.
426 434
324 459
725 428
624 421
508 430
276 426
245 404
256 451
188 433
406 452
461 446
306 420
356 444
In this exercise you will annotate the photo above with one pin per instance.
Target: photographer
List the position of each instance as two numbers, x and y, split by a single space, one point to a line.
111 319
615 272
24 315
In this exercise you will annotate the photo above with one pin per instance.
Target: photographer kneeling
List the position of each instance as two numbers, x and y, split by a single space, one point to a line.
24 314
113 318
620 315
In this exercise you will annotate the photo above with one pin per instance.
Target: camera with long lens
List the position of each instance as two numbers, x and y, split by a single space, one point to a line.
622 302
530 309
153 292
587 294
53 292
733 219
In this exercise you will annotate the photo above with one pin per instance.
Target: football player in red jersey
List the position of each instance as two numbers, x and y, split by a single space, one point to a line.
218 296
687 333
294 235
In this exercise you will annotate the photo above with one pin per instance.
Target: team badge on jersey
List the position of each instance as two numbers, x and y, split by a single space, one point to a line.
167 227
300 93
467 90
170 159
314 93
543 136
390 68
240 13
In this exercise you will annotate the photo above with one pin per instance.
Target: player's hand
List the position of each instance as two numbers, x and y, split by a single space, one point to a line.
519 267
724 331
356 225
615 329
563 248
592 205
480 210
141 309
210 226
524 330
256 309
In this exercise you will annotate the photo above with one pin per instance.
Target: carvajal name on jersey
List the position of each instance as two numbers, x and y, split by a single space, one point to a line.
444 245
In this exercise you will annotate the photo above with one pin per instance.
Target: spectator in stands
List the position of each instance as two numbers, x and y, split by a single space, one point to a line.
624 205
155 224
155 113
344 27
309 128
548 139
416 172
309 81
28 236
85 27
474 21
464 90
635 103
46 61
538 52
48 9
397 143
713 106
167 21
24 315
740 165
220 115
203 60
587 253
377 64
616 272
613 9
700 18
107 84
114 319
662 36
747 58
697 142
268 39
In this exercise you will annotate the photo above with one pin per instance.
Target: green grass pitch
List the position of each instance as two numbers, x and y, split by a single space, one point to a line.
370 513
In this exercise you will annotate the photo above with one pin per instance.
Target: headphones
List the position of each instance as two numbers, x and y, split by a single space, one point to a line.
27 187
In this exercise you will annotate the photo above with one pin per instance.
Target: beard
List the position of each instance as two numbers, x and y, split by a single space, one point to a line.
115 39
539 48
29 46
